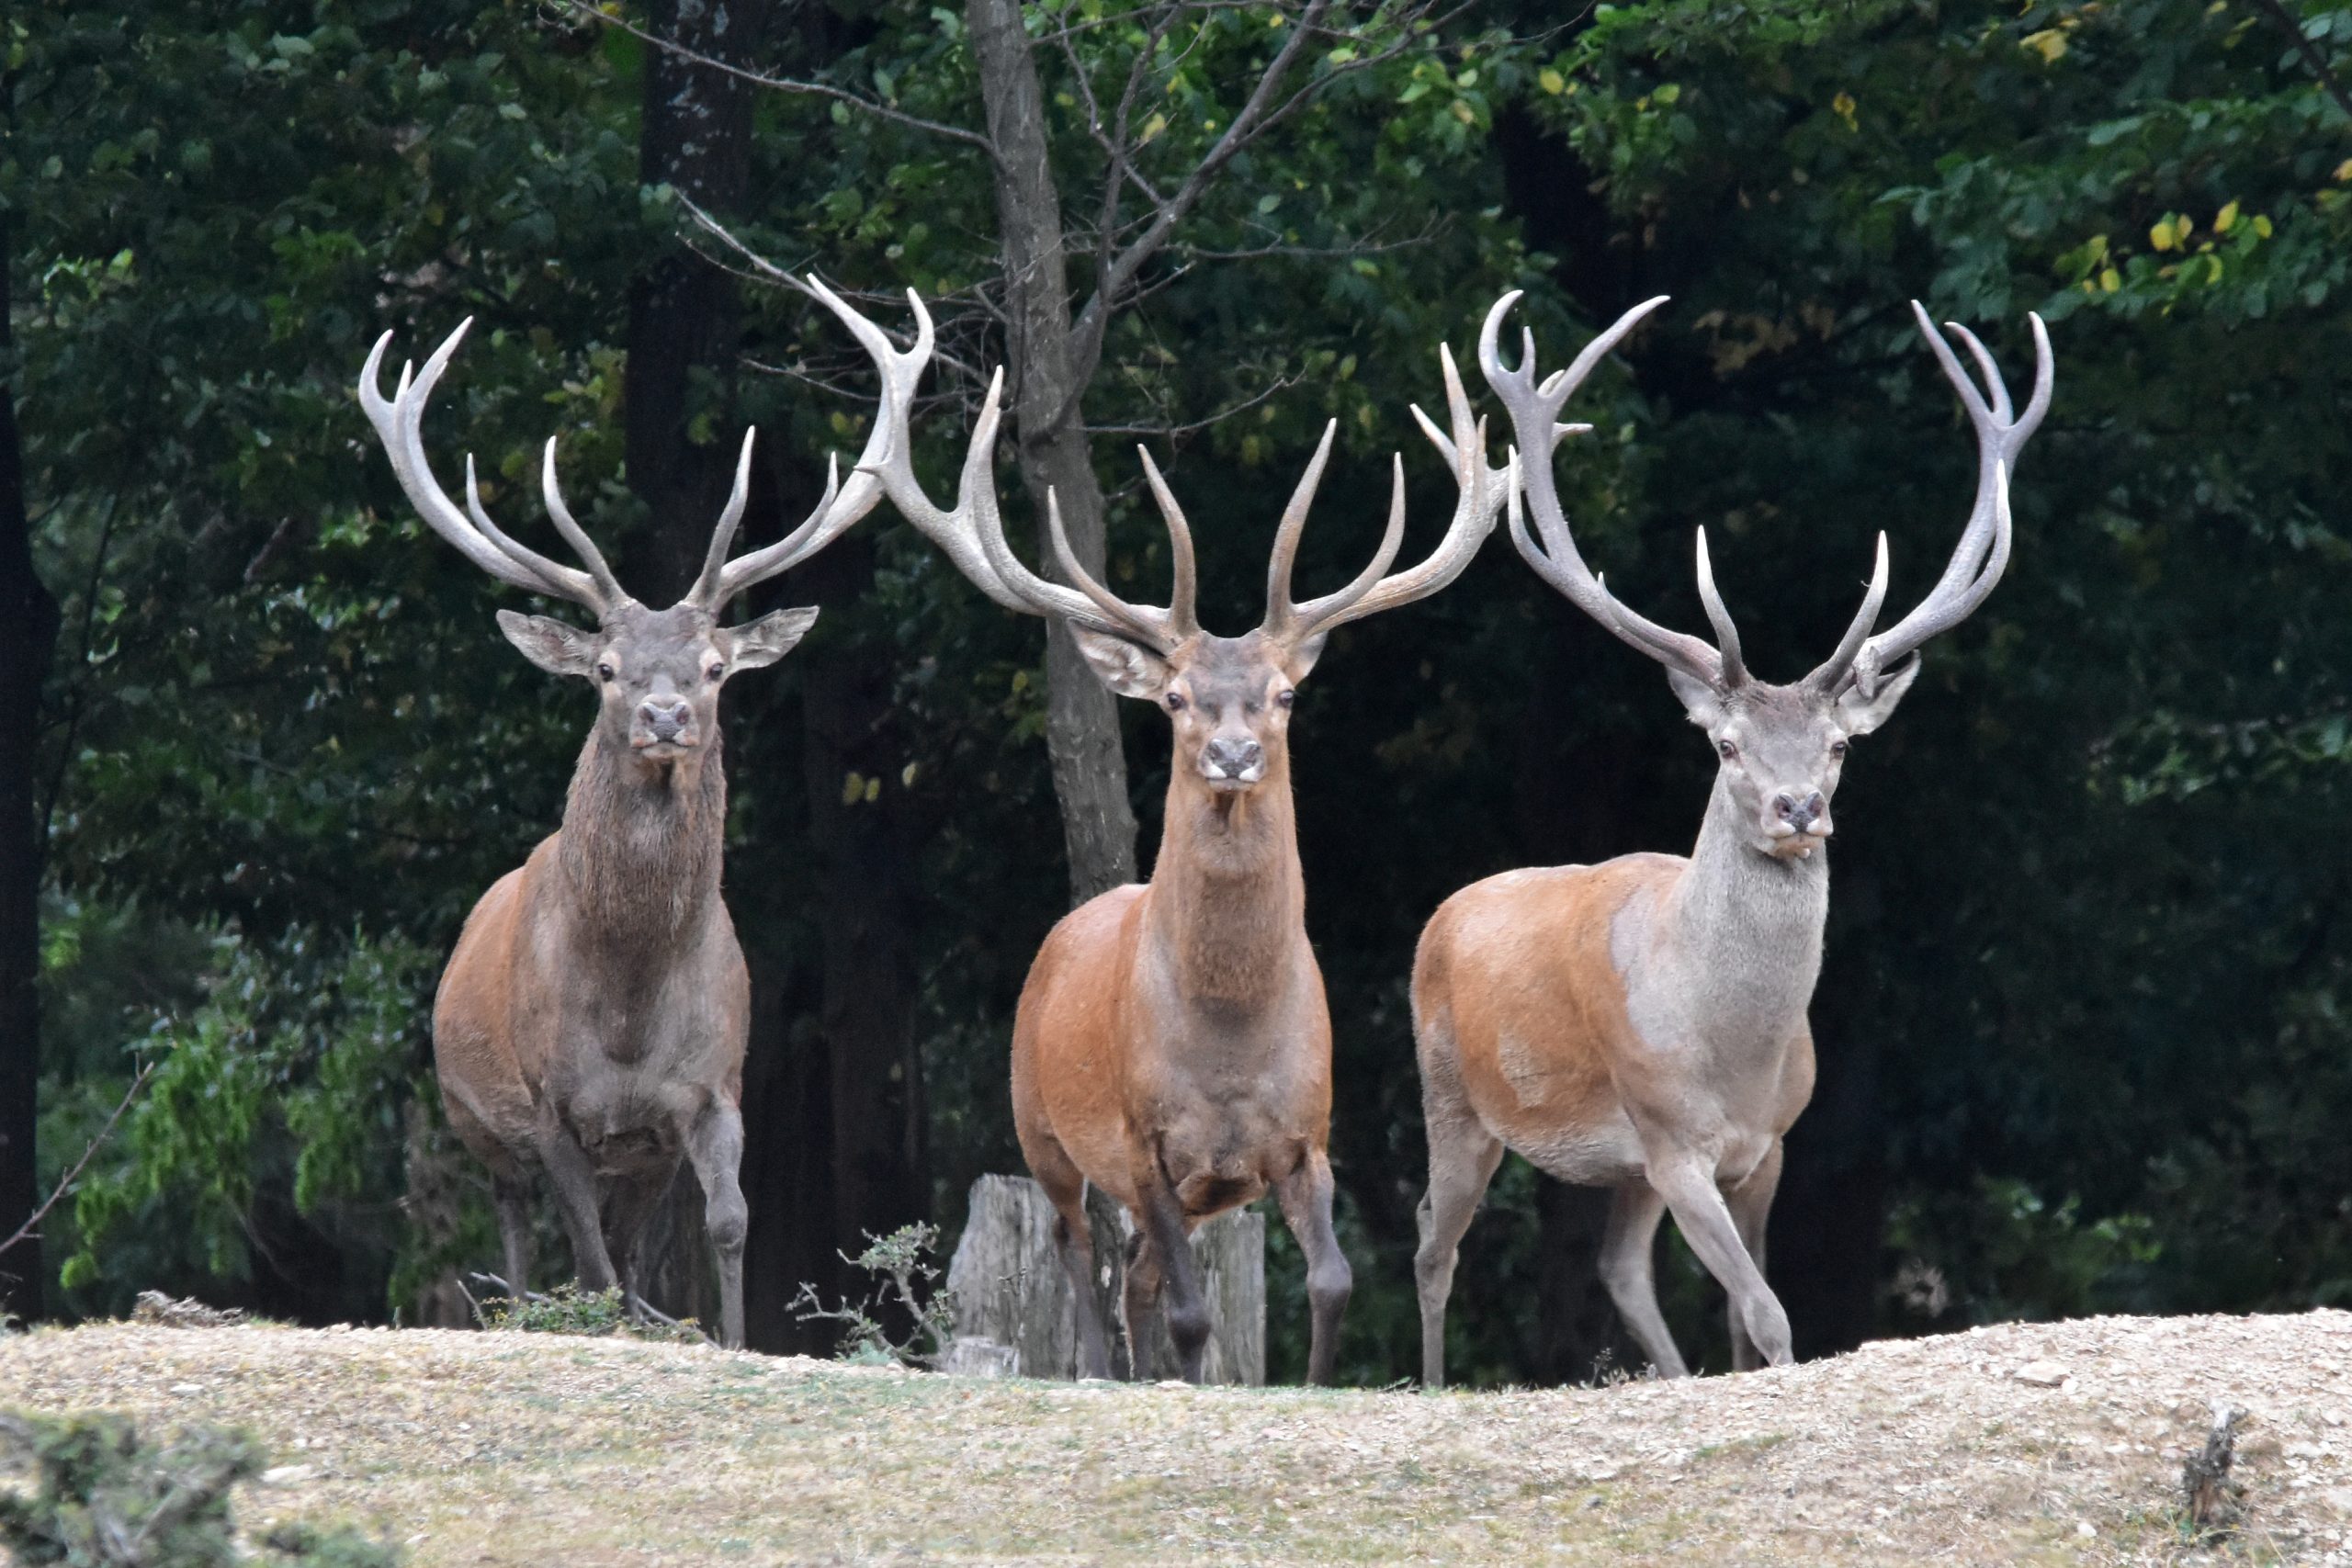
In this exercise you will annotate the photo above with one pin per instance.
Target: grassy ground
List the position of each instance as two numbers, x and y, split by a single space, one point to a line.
531 1448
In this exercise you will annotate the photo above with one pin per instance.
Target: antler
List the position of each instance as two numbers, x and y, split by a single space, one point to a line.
400 424
1473 518
1534 412
972 534
1984 550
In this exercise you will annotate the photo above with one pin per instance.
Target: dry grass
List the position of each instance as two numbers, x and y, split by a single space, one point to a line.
515 1449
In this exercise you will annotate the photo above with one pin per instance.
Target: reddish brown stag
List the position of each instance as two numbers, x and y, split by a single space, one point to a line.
592 1020
1172 1045
1640 1025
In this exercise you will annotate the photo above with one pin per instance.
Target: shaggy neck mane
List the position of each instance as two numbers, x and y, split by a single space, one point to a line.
1226 892
642 845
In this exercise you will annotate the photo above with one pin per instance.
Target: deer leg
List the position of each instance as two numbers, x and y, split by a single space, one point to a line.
1463 1157
1626 1248
635 1199
1139 1303
1181 1298
512 1198
1065 1187
1305 1198
1751 1205
577 1201
1705 1221
715 1145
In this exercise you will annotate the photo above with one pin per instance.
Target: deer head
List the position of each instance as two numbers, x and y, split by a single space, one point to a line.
1229 699
657 672
1780 749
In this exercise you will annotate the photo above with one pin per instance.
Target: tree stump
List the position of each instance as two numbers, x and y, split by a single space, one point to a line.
1011 1289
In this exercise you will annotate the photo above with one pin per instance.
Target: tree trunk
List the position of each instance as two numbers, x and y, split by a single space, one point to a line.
859 831
1049 387
28 633
695 137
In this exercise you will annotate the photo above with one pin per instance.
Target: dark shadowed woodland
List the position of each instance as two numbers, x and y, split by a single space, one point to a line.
2085 1022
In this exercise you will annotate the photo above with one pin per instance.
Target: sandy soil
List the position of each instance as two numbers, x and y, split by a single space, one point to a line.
2025 1443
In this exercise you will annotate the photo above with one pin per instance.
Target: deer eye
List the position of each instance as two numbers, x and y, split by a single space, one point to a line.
1175 702
1729 752
604 670
717 670
1837 747
1285 698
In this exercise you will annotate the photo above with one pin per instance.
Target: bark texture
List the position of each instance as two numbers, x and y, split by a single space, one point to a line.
1050 374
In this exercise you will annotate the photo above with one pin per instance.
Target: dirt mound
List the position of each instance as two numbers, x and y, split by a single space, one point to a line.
2025 1443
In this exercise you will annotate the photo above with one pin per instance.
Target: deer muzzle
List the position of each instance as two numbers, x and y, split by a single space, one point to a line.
1233 761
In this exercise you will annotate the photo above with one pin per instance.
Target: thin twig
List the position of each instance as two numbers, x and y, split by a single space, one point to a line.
29 1231
786 83
2328 80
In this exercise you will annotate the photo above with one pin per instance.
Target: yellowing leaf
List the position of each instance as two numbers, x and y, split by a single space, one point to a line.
853 788
1843 106
1550 81
2225 218
2049 43
1154 126
2161 235
2111 280
2262 225
1464 113
2343 170
873 789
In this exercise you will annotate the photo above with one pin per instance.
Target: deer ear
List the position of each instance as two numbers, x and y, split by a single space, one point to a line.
552 646
1861 715
1126 669
767 639
1301 657
1700 700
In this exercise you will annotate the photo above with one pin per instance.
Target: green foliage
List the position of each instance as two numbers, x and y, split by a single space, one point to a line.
568 1309
292 1055
107 1498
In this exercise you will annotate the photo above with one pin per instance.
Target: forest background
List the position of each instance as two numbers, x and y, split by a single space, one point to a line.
2083 1023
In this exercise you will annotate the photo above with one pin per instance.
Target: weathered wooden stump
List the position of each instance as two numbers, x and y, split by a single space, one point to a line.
1013 1295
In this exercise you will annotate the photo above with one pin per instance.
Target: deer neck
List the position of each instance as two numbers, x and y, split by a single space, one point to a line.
1748 927
642 845
1228 902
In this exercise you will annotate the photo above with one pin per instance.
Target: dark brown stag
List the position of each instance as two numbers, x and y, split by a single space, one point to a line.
1172 1045
592 1020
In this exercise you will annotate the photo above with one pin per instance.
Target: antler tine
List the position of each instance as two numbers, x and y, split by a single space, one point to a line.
1281 613
882 467
1183 613
574 535
399 423
1135 623
1983 553
1726 634
521 554
1833 673
1533 414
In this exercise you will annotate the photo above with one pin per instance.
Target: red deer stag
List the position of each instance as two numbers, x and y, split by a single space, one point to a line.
592 1018
1172 1045
1640 1025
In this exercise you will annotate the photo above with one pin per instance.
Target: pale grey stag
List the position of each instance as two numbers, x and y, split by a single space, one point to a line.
1172 1045
592 1021
1640 1025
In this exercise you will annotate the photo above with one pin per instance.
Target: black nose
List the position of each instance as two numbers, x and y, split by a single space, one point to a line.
1234 758
666 720
1799 814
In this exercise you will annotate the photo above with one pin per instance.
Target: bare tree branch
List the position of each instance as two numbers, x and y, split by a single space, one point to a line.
31 1227
785 83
